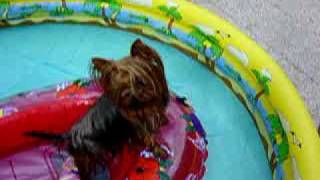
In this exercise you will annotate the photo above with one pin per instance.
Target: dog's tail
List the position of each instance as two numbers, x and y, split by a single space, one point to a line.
47 136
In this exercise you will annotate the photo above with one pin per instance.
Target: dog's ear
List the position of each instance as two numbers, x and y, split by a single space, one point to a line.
143 51
100 63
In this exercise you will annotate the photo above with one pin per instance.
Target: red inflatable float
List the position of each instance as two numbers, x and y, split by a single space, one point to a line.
55 109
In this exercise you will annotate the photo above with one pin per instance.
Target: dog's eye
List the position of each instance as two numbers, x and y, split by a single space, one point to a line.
125 93
140 82
154 63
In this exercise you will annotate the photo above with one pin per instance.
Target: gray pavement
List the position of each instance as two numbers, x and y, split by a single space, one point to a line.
289 30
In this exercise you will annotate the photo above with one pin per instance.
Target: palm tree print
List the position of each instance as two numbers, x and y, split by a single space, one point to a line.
172 13
207 43
278 136
62 10
264 80
101 5
4 8
64 4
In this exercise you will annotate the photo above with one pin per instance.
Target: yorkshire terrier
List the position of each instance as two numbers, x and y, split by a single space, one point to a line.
137 86
131 109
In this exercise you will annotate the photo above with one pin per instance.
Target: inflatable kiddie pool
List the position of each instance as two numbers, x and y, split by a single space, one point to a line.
286 130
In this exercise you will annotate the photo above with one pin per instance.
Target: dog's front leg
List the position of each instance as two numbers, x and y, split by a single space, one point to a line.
85 165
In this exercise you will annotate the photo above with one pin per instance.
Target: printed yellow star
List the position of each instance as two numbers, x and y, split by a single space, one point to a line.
1 113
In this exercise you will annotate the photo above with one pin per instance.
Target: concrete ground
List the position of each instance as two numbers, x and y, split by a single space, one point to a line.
289 30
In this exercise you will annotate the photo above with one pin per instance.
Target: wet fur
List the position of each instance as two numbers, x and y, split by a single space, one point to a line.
132 108
137 85
102 130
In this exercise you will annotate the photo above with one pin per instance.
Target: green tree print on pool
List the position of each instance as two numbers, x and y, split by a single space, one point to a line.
115 6
64 4
101 5
207 42
279 137
62 10
4 9
263 79
172 13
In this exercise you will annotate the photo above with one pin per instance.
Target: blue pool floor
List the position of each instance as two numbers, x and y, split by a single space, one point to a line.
40 55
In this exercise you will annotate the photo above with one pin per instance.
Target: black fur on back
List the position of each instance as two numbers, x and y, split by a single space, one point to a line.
103 129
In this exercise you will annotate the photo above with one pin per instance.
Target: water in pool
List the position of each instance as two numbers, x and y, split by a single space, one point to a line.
40 55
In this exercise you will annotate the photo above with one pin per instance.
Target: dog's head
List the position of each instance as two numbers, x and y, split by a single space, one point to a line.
136 84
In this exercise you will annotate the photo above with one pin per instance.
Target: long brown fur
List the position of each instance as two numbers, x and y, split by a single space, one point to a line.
131 109
137 85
